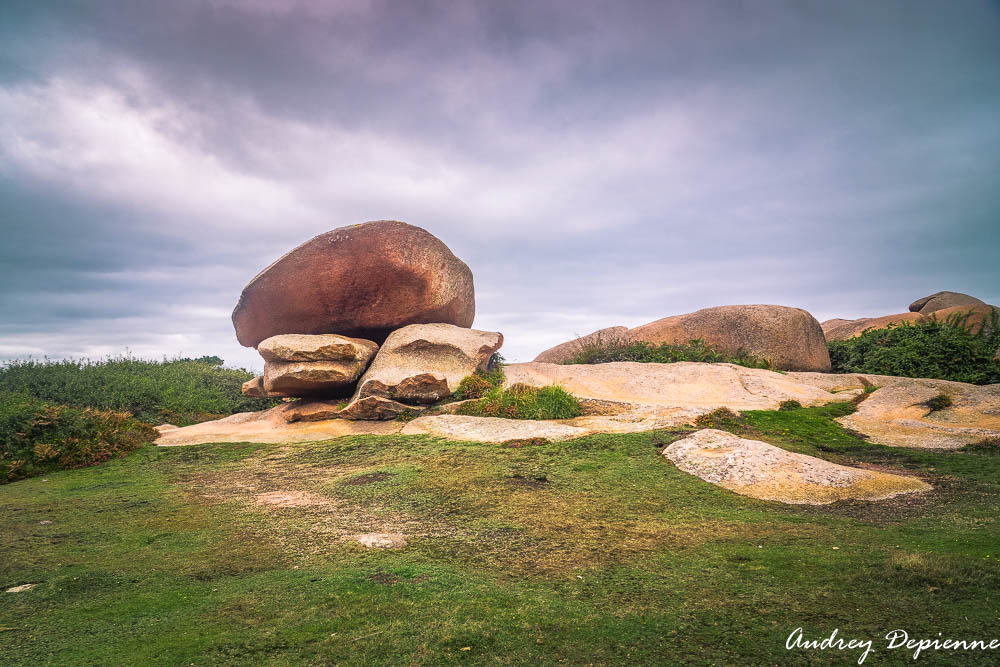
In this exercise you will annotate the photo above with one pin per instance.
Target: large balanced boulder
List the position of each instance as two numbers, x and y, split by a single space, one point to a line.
420 364
845 329
757 469
565 351
941 300
790 338
363 281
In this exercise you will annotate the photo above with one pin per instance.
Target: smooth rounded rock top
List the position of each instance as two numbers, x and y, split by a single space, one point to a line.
362 281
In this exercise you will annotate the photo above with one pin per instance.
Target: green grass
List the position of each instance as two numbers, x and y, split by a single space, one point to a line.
604 351
179 391
524 402
592 551
944 350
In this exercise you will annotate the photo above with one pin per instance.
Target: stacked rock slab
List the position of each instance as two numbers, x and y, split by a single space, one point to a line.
311 365
418 365
362 281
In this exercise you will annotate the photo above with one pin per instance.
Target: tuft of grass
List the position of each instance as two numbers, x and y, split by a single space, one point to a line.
790 404
523 402
38 436
480 382
943 350
178 391
939 402
605 351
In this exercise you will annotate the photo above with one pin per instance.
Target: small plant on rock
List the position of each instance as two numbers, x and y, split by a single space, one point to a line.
790 404
939 402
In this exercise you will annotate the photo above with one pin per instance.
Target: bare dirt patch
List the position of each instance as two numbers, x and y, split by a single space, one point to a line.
291 499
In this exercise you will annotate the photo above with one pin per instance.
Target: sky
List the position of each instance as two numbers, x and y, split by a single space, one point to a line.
594 163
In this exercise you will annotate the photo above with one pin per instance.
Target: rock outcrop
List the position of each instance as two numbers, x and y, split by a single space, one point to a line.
418 365
310 365
566 351
897 414
759 470
974 318
846 329
684 385
317 347
790 338
362 281
941 300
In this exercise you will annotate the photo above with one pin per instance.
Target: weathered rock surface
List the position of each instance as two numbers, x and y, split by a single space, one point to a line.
271 426
759 470
896 413
163 428
687 385
853 328
363 281
827 325
941 300
255 389
974 317
377 408
491 429
566 351
305 410
306 378
317 347
790 338
423 363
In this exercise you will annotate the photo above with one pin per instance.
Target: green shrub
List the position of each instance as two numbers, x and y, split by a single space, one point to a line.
605 351
939 402
945 350
523 402
789 405
480 382
179 391
38 436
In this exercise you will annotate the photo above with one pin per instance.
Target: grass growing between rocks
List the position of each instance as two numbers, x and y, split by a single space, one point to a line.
605 351
594 551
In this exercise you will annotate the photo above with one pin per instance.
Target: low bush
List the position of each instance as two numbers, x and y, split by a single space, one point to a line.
605 351
939 402
790 404
944 350
179 391
38 436
523 402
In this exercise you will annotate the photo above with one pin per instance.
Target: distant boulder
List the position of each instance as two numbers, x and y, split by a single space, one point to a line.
974 318
941 300
852 328
362 281
790 338
566 351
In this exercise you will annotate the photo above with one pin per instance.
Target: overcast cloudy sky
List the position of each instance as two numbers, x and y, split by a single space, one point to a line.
595 163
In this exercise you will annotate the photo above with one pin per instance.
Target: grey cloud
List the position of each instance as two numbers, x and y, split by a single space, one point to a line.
594 163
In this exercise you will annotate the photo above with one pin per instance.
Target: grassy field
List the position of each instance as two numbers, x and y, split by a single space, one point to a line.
594 551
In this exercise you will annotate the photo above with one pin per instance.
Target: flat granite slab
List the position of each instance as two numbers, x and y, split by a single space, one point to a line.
759 470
